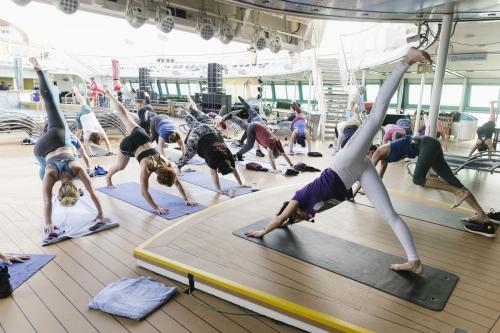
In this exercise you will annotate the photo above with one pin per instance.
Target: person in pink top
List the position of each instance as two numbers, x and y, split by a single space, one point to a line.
392 132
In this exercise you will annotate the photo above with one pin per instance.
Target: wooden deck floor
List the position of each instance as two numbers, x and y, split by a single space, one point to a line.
56 298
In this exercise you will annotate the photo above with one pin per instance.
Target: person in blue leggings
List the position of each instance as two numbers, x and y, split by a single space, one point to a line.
54 153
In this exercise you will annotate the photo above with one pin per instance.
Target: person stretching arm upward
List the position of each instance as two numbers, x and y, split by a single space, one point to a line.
352 164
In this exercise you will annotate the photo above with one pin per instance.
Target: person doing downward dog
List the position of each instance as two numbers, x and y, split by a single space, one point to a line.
484 140
253 117
350 165
392 132
164 131
87 122
138 144
54 153
430 155
145 115
345 129
207 142
299 130
261 134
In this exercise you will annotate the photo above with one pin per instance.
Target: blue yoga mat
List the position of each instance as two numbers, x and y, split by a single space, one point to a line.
20 272
204 180
131 193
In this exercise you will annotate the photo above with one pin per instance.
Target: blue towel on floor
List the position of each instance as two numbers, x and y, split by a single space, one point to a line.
132 298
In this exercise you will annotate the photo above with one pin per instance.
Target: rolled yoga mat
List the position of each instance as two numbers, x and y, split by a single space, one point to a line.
205 180
360 263
131 193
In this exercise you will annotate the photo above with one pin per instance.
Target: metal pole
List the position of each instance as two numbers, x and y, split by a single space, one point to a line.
462 98
419 106
363 78
437 87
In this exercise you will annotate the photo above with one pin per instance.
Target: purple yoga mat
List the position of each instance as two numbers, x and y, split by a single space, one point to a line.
131 193
21 272
204 180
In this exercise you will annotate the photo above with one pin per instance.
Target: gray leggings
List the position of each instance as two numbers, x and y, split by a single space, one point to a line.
430 155
200 116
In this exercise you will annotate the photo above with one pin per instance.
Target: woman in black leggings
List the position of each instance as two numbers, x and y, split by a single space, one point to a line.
485 134
430 155
54 153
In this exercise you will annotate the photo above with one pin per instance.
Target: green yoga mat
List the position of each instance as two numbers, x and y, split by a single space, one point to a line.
360 263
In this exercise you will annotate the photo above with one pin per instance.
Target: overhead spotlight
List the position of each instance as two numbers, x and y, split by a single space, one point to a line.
136 13
206 28
275 44
260 41
22 2
225 32
68 6
166 22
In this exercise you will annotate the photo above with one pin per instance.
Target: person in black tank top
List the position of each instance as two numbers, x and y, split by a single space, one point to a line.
138 144
485 132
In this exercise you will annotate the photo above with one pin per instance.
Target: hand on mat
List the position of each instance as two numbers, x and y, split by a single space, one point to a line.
10 259
162 211
110 153
190 203
101 219
50 228
257 234
276 171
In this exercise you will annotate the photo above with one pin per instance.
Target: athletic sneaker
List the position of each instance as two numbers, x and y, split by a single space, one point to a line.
259 153
238 157
99 171
484 229
494 215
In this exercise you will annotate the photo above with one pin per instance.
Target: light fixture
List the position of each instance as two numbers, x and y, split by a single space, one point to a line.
206 28
22 2
225 32
260 41
135 13
68 6
275 44
166 22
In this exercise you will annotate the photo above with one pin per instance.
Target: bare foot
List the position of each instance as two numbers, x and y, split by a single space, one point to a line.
411 266
35 63
460 197
415 55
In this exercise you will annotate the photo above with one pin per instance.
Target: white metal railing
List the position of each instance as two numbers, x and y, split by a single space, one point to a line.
319 94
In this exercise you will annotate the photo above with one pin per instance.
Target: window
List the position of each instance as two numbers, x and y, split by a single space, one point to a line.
268 92
280 91
184 87
155 87
163 87
292 92
480 96
414 94
194 87
172 89
451 94
372 92
135 85
394 99
305 92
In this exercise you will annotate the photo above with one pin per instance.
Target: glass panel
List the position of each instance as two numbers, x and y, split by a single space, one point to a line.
305 91
163 88
292 92
268 92
135 85
414 94
372 92
184 87
480 96
155 87
280 91
172 89
451 94
194 87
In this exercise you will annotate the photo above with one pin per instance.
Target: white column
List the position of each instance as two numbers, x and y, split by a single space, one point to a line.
462 98
442 55
363 78
419 106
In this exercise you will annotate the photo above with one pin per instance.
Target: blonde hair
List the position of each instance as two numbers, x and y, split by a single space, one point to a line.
68 194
